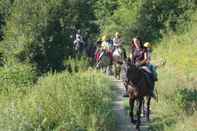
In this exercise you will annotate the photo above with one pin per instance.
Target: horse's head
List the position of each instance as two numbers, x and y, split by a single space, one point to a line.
132 70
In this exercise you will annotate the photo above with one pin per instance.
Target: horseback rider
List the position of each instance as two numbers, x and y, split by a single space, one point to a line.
78 42
151 66
136 58
105 54
137 52
106 46
118 44
141 58
98 49
117 41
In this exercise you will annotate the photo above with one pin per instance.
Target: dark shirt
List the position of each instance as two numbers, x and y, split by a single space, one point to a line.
137 56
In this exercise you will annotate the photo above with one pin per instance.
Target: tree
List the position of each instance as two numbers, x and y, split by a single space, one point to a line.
39 31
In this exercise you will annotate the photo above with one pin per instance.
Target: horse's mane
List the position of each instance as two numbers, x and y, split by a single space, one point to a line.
135 75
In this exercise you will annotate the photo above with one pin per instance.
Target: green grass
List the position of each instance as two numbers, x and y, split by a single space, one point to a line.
177 85
177 107
77 101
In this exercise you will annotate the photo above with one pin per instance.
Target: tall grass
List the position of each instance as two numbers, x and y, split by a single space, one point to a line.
67 102
177 106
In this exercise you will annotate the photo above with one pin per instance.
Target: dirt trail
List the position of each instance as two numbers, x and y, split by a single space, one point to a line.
123 121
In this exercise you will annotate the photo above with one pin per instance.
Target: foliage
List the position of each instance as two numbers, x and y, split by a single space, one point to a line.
177 105
16 76
80 101
77 64
147 18
39 31
5 9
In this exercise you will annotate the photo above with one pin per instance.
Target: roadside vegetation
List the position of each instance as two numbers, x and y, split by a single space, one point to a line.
43 86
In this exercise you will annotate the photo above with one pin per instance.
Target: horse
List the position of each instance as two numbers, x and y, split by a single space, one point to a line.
138 87
90 52
118 56
104 61
78 47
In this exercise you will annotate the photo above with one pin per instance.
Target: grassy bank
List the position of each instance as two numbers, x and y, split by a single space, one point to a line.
77 101
177 107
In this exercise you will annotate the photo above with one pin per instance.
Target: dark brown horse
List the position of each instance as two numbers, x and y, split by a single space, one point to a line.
139 86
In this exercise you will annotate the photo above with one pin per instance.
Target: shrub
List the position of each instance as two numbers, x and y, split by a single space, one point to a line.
78 101
17 76
39 31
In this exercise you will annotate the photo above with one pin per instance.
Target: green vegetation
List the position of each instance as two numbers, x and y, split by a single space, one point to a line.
177 107
171 26
36 38
149 19
78 101
39 31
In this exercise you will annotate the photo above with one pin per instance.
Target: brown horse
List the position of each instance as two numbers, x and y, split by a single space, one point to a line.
139 86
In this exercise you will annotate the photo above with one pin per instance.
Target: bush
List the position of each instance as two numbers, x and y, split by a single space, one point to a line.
76 65
39 31
176 109
80 101
149 19
5 9
16 76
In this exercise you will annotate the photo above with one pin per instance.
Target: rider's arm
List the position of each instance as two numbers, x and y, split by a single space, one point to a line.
143 62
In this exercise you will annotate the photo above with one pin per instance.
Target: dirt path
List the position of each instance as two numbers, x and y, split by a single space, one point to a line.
123 121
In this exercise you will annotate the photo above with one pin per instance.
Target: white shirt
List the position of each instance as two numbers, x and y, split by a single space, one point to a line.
117 41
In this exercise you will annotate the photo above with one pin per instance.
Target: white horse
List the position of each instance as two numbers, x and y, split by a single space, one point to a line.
118 59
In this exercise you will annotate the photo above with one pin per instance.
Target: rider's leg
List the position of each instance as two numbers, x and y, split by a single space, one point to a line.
153 70
151 84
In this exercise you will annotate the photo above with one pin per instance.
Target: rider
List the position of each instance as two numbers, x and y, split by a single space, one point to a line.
98 48
106 48
137 52
78 42
140 58
152 67
117 43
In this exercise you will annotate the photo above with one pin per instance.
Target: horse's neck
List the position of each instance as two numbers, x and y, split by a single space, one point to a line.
118 51
138 76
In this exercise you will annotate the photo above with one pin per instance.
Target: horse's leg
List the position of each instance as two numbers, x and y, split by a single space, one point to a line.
116 71
139 113
108 70
148 108
131 103
143 107
119 71
125 83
